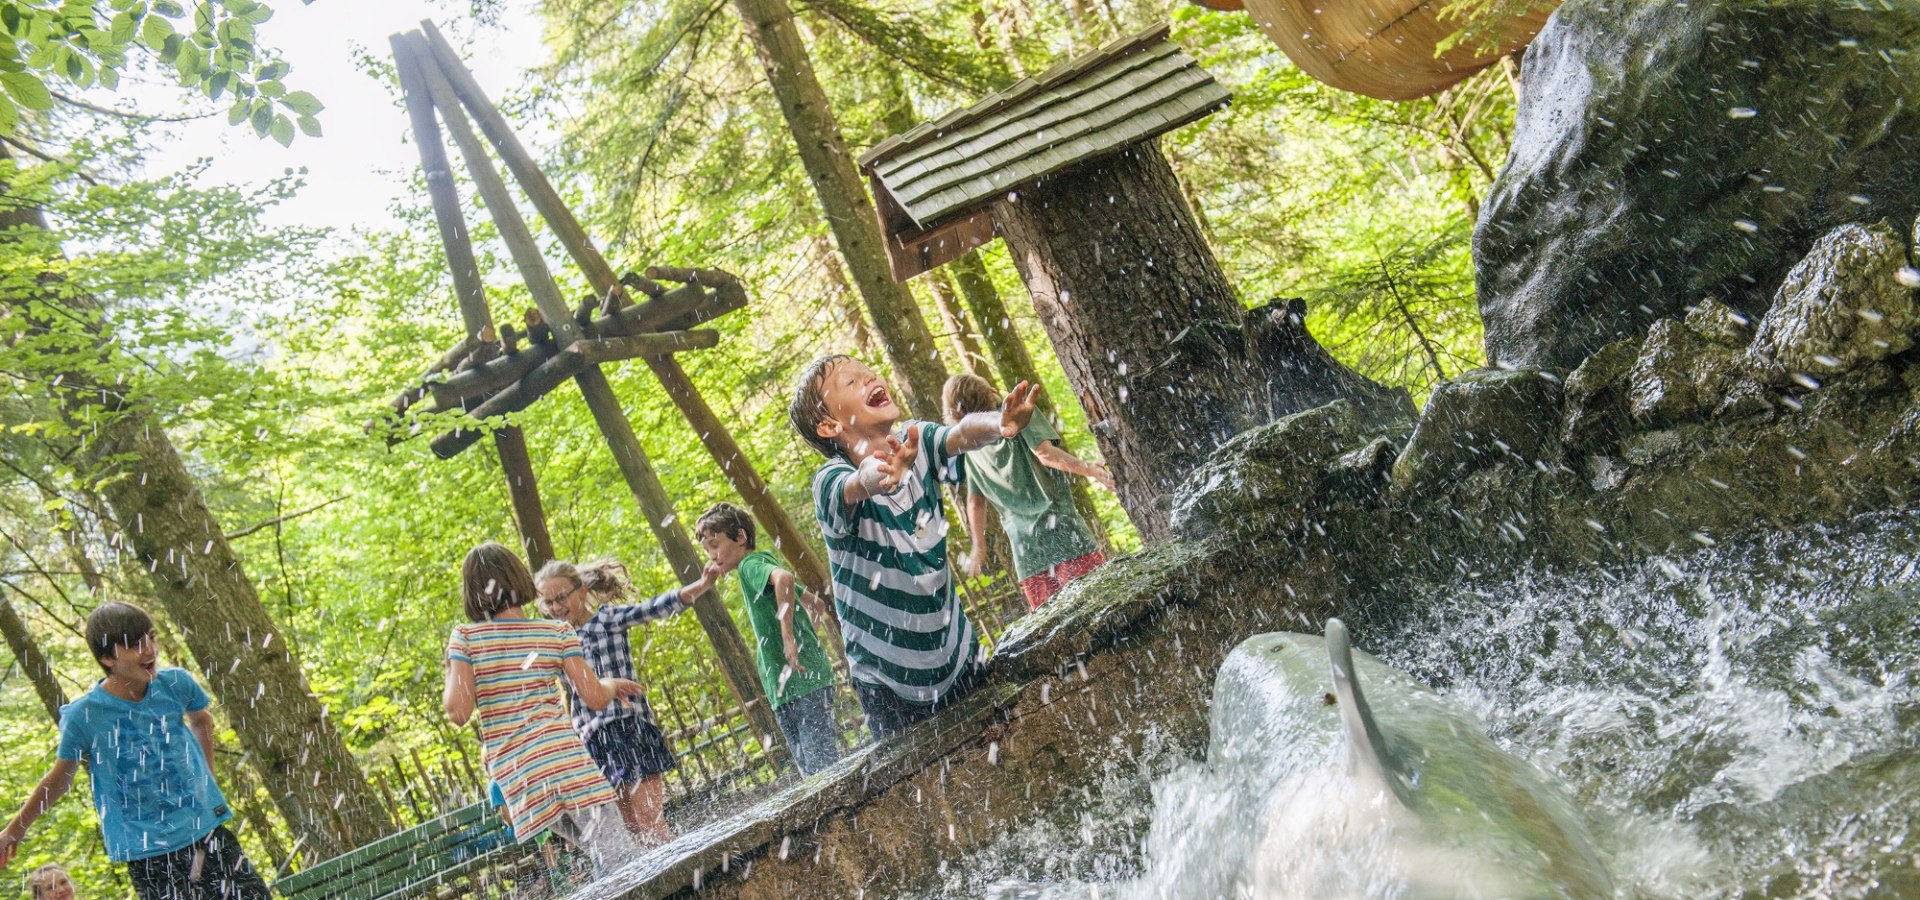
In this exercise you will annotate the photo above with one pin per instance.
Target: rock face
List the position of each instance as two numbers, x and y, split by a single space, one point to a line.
1843 305
1666 151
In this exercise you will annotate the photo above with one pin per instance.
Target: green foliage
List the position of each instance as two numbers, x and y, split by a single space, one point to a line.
210 48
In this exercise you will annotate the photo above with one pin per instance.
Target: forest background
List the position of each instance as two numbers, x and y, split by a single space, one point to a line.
263 351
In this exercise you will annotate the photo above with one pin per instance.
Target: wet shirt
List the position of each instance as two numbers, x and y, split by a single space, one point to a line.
901 620
152 788
756 577
531 749
1035 502
603 639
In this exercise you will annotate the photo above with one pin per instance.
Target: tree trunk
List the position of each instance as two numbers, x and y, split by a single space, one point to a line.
26 653
1015 363
953 318
909 343
249 664
1149 331
840 296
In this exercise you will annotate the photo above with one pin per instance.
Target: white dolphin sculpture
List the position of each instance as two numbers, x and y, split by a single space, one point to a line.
1425 804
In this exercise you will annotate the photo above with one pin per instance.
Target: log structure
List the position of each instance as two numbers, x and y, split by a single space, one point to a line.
497 370
1165 359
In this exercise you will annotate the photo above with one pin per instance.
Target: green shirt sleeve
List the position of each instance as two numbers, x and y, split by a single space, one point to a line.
755 571
1039 430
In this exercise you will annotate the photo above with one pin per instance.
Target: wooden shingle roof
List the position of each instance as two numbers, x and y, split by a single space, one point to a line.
931 183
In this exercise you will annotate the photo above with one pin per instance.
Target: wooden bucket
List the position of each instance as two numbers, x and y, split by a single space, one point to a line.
1380 48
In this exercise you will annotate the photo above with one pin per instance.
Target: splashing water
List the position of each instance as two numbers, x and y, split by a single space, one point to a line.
1741 720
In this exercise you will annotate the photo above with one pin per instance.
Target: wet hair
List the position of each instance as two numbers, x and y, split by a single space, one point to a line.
493 579
966 394
605 579
41 880
727 520
809 407
113 625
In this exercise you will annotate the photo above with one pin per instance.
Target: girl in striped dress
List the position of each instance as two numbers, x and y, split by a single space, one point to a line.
503 665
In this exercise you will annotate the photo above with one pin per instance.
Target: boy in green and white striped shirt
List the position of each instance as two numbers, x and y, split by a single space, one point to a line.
910 648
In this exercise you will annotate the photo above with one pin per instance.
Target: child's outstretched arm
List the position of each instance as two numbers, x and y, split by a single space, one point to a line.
976 534
782 582
1054 456
51 788
597 692
628 615
979 429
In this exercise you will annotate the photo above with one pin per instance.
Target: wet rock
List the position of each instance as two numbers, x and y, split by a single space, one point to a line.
1361 476
1842 306
1666 151
1596 399
1267 477
1480 418
1688 369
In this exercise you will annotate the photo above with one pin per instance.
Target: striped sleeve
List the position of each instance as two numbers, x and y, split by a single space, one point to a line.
946 464
457 650
830 499
567 643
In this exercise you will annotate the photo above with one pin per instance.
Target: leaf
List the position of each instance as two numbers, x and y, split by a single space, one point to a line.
217 85
282 130
9 115
303 103
272 71
27 90
110 77
309 126
262 117
168 8
154 32
238 112
123 29
271 89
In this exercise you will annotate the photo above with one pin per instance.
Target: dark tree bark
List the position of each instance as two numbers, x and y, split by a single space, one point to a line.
316 782
26 652
1164 359
903 331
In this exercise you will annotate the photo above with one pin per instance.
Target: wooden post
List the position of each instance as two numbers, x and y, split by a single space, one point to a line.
719 443
522 488
735 662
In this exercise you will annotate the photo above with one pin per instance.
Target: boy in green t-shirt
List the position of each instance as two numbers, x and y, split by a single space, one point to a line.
793 668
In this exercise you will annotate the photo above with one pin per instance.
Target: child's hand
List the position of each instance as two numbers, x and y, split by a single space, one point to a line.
896 461
1017 411
709 575
1099 472
624 689
793 660
976 563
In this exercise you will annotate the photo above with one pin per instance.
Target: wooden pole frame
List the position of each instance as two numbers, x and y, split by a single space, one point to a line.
437 74
713 434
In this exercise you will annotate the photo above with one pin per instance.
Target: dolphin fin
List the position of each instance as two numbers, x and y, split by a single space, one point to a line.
1366 748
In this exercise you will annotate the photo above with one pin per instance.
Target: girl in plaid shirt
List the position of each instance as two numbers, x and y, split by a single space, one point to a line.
624 740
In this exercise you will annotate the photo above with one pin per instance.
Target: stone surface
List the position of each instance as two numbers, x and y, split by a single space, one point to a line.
1265 476
1478 419
1686 369
1656 161
1841 306
1596 399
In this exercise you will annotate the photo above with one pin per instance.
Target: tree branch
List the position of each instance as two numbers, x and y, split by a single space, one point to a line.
236 535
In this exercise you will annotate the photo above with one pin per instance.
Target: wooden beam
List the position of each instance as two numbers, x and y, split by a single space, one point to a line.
736 663
747 482
658 344
441 189
520 395
493 192
524 493
546 200
484 379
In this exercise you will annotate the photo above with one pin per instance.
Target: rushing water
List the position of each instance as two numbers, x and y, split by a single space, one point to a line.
1742 720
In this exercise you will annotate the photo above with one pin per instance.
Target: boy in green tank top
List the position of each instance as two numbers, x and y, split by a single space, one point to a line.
793 669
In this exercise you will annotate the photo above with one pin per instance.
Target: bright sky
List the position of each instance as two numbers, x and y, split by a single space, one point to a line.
362 163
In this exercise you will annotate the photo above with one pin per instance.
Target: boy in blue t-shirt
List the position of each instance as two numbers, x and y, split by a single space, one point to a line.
146 736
